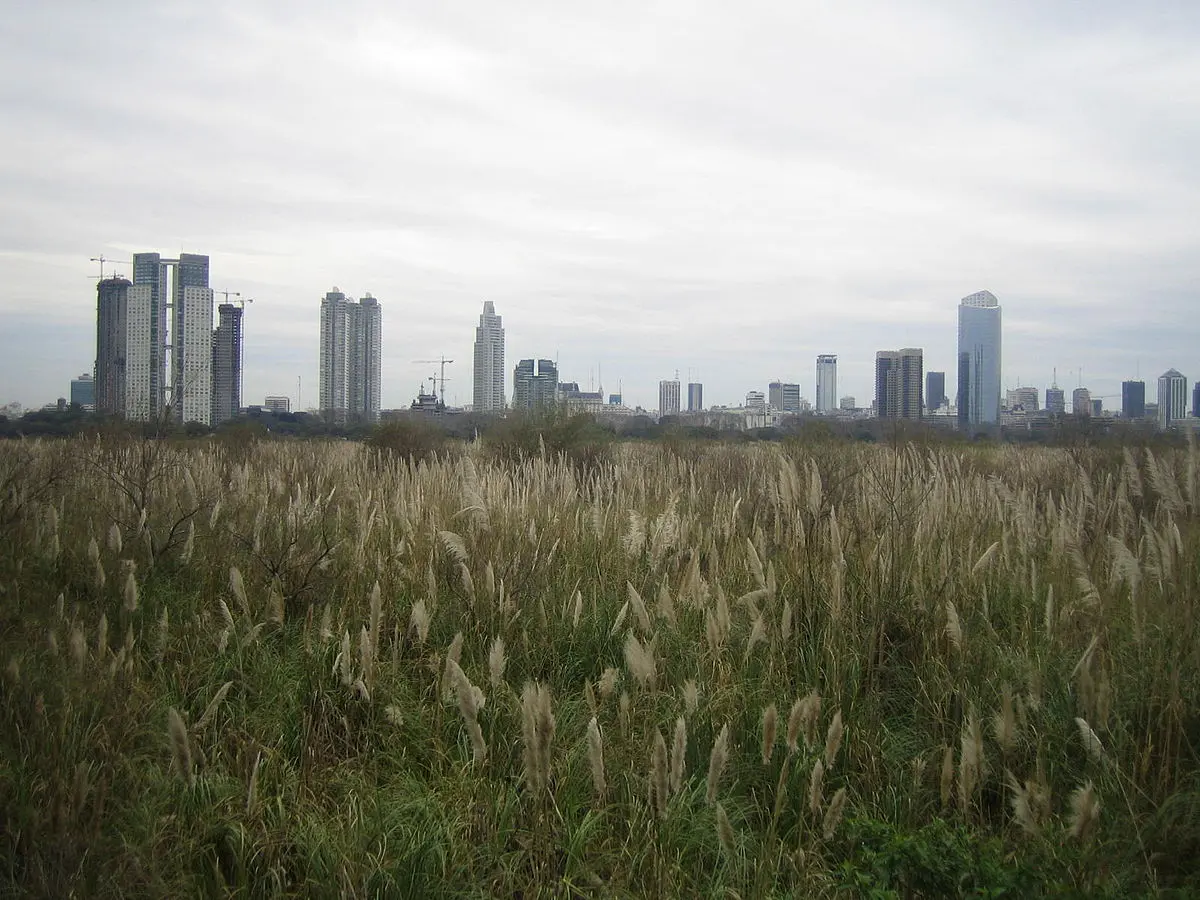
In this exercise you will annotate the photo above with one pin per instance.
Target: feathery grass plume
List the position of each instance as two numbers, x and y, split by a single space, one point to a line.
691 696
577 612
596 758
833 815
226 615
794 722
418 621
238 587
189 543
102 637
453 654
375 605
1091 742
489 582
659 788
623 712
640 661
93 551
716 763
725 833
99 576
620 620
211 710
947 779
810 714
214 515
1048 613
785 621
1004 724
639 607
770 723
666 605
252 788
180 747
342 663
468 583
953 626
589 695
816 788
758 635
366 657
223 640
608 681
537 730
453 544
722 609
1085 812
130 603
114 539
712 633
326 630
634 539
470 701
497 661
393 714
361 690
970 761
986 558
755 564
833 739
678 754
275 611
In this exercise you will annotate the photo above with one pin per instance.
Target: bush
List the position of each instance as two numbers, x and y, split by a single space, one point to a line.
414 439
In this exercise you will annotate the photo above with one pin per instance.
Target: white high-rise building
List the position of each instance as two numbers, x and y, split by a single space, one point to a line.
191 359
826 393
489 362
1172 398
979 359
668 398
351 355
143 364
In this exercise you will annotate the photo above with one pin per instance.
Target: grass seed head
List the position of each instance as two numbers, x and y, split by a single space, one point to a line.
816 788
1085 812
716 763
180 747
833 815
833 739
725 833
678 754
596 758
770 722
659 781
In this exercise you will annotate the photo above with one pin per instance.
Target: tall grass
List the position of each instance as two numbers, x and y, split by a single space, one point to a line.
260 671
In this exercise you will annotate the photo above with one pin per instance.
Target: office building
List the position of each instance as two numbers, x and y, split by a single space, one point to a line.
1196 401
350 357
695 397
489 362
1023 399
278 404
826 383
668 398
899 384
1172 398
535 384
1056 400
978 360
227 364
784 396
1081 401
83 391
935 391
112 332
848 404
1133 399
756 402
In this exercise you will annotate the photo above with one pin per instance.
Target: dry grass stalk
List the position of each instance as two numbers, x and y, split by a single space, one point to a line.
470 702
970 761
691 697
640 661
211 710
678 754
770 724
833 815
497 662
453 655
537 730
638 606
816 788
180 748
624 706
716 763
953 626
608 681
418 621
102 637
238 588
130 603
453 543
1091 742
725 833
659 778
947 778
833 739
1085 812
1004 724
758 635
252 789
596 758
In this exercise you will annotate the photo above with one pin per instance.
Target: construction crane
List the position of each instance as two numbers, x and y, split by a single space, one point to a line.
241 301
443 362
102 259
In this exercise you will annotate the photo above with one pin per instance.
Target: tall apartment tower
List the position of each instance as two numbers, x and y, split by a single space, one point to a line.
979 359
1196 401
1081 401
112 333
351 351
899 380
826 400
227 364
535 384
1133 399
489 362
1056 400
935 390
1172 398
668 398
695 397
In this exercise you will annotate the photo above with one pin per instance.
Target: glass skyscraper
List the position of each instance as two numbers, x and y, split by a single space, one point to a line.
979 359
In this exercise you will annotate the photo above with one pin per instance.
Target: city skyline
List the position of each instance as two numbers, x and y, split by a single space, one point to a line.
630 214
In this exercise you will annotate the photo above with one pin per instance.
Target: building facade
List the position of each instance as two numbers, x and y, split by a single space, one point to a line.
535 384
1133 399
1172 398
1081 401
695 401
277 403
1023 399
979 359
350 357
1196 401
83 391
1056 400
488 395
784 396
935 391
899 383
112 327
826 384
227 364
668 398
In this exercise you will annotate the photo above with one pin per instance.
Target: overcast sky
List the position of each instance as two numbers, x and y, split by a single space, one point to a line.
723 189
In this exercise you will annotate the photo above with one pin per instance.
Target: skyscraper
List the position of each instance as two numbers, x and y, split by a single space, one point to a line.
535 384
83 391
668 398
351 351
826 392
1133 399
784 396
695 397
489 362
1196 401
227 364
935 390
1056 400
1081 401
112 327
1172 398
979 359
898 383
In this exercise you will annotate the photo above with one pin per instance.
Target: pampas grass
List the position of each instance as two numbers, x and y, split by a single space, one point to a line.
181 749
716 764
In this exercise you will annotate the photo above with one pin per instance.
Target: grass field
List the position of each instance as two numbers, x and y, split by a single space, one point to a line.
306 668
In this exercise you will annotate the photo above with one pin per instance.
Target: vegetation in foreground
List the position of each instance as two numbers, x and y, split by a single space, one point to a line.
693 670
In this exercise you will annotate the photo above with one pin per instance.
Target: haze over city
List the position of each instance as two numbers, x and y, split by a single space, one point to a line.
721 191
